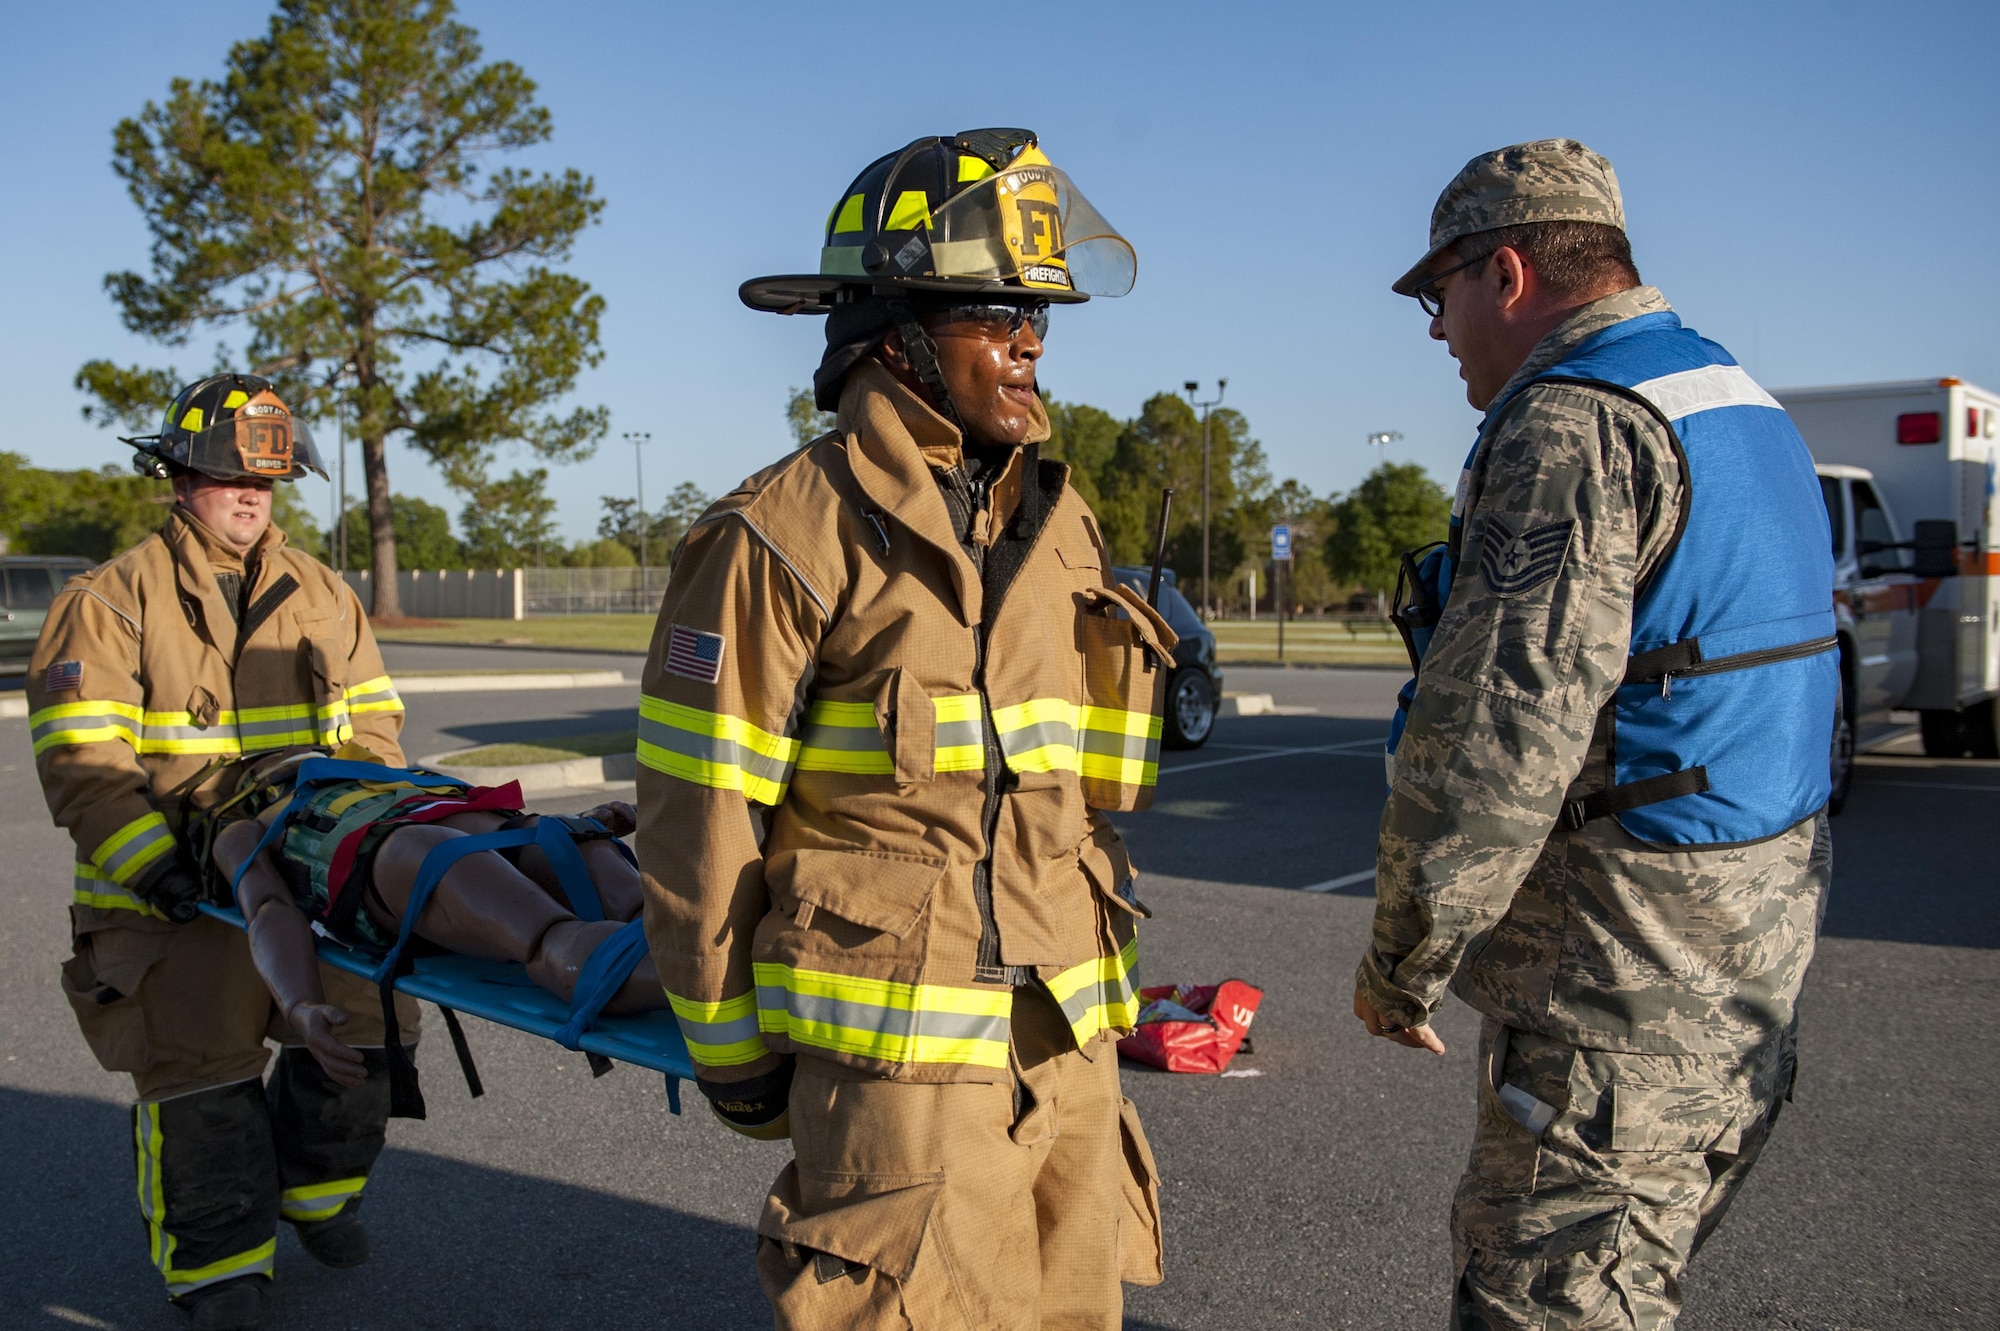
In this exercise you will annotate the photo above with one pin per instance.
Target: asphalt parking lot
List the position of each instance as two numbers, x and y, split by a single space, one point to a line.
1311 1195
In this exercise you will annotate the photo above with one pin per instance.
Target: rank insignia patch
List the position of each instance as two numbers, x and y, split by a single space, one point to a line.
693 654
64 675
1516 564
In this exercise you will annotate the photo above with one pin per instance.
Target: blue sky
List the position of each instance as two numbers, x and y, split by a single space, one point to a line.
1815 186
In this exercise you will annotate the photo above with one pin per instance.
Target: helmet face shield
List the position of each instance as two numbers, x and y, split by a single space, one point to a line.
1029 224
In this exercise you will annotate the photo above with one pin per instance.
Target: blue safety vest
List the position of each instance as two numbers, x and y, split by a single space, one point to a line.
1723 725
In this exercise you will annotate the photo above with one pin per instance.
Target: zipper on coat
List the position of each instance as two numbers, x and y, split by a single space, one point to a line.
1749 660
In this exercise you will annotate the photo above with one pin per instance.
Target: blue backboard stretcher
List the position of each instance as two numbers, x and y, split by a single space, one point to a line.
502 993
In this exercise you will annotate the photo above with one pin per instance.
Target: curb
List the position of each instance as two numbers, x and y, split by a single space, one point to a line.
543 778
522 682
1247 704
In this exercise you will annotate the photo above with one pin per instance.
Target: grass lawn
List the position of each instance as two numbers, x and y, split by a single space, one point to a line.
1308 642
556 751
597 633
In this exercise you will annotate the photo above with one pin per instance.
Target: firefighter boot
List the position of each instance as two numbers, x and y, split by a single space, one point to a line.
208 1190
328 1137
233 1305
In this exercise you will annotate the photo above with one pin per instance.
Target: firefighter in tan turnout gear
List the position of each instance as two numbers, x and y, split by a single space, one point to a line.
892 687
155 673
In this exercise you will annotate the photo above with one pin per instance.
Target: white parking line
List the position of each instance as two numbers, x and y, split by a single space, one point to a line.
1335 884
1351 749
1925 785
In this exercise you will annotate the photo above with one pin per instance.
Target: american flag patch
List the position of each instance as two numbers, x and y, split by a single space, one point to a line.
693 654
64 675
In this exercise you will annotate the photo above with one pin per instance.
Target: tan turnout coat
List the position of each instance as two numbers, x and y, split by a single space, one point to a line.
143 685
868 799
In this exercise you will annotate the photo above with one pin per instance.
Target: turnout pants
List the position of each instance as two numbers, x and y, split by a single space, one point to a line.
221 1153
1016 1205
1595 1177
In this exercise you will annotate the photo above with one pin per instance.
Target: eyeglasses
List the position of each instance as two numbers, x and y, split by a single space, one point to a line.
1034 316
1427 292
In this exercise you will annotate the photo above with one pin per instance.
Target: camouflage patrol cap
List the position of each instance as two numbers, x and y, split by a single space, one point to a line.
1549 180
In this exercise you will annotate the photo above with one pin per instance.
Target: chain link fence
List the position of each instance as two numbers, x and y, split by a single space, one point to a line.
592 591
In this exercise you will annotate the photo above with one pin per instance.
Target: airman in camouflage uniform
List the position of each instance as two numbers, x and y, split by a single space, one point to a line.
1638 1002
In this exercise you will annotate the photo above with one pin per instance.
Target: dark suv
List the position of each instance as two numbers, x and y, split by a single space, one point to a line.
30 583
1194 689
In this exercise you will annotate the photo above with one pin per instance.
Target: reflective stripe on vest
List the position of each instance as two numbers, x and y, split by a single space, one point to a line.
127 853
93 889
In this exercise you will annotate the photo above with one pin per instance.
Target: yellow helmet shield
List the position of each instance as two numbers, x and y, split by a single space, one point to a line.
1028 223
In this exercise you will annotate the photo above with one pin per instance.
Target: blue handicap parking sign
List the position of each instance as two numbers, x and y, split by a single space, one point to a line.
1281 542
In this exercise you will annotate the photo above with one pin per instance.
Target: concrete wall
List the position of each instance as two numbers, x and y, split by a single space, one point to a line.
452 594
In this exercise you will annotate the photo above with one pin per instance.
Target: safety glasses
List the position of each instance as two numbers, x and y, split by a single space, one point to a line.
1430 297
999 322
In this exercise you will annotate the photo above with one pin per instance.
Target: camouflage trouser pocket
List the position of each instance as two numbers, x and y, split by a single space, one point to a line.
1572 1277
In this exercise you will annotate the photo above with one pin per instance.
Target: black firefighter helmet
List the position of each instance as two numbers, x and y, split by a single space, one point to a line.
981 216
231 427
981 213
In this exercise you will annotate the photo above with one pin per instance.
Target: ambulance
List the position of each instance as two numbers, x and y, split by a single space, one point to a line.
1908 472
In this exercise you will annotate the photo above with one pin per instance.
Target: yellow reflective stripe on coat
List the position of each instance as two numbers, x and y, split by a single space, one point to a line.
961 736
161 1244
884 1019
1099 995
1098 743
86 723
713 749
843 737
374 695
1038 735
126 853
1120 746
91 888
319 1201
252 730
722 1035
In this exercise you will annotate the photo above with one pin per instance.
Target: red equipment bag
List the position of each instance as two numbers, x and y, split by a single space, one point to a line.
1193 1027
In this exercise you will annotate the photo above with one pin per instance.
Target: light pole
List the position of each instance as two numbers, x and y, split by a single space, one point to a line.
1194 386
638 438
1382 438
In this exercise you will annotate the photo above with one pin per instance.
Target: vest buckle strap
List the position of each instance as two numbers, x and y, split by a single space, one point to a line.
1634 795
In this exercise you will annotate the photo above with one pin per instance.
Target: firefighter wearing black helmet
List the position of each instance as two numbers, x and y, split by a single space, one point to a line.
208 642
893 689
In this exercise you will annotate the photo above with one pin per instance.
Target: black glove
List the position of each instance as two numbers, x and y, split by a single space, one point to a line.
759 1107
173 891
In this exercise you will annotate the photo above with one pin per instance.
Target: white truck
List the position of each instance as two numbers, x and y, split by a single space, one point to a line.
1918 605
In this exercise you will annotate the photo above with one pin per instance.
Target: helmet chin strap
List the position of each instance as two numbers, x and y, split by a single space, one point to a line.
921 353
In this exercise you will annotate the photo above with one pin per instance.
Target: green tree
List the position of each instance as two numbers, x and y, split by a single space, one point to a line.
1087 438
1397 507
96 514
423 535
510 523
664 529
328 197
601 553
1159 447
806 421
